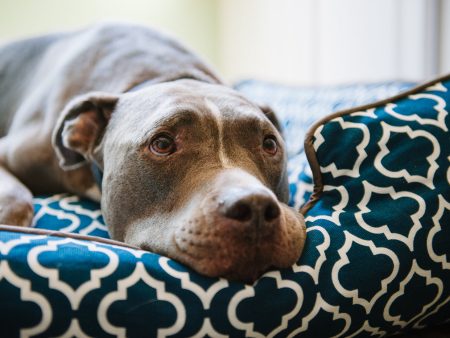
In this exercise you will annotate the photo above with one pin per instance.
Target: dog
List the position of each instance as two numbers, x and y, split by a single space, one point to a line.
183 165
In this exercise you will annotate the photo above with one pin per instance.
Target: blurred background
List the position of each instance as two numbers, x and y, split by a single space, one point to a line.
311 42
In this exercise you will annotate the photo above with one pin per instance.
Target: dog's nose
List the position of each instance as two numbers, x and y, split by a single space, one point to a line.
259 208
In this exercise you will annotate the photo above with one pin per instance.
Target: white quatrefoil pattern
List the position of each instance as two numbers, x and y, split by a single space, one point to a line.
376 259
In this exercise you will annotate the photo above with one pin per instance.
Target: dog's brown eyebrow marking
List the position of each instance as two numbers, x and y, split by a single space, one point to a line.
169 122
180 118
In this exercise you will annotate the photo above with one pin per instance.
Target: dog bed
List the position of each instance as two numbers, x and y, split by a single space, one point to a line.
376 259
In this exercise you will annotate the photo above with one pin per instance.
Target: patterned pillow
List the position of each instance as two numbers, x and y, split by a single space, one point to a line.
376 260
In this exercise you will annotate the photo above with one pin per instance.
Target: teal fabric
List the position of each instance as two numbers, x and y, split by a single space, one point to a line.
376 259
386 209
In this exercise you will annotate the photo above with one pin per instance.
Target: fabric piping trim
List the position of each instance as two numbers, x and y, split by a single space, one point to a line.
309 138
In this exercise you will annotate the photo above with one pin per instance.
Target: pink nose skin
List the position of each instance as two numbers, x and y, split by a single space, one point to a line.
256 209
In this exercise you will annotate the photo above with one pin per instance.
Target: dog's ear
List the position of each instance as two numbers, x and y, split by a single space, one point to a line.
272 117
80 128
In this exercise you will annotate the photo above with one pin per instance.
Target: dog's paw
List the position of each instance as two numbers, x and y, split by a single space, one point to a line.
16 212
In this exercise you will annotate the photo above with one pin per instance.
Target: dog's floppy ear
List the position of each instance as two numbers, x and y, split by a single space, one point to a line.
80 128
272 117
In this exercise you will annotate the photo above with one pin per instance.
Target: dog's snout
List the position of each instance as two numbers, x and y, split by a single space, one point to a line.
253 208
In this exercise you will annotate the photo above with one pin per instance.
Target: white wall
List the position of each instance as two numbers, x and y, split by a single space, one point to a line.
267 39
445 36
334 41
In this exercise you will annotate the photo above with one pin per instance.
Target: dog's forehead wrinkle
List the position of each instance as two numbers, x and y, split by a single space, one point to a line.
215 113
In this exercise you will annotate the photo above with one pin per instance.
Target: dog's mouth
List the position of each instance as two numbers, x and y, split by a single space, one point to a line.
216 247
234 228
215 261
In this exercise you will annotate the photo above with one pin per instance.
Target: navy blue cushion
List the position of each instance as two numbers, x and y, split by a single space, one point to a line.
376 259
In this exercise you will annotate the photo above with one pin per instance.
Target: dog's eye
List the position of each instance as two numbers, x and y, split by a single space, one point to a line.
270 145
162 145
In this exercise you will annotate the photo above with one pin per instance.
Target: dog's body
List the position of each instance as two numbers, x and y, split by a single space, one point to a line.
190 168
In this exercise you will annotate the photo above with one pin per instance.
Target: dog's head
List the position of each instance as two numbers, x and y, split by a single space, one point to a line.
191 170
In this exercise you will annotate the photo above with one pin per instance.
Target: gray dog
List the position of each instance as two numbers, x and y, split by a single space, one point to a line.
188 167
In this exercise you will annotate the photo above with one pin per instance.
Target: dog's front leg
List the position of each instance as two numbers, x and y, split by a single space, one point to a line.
16 201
